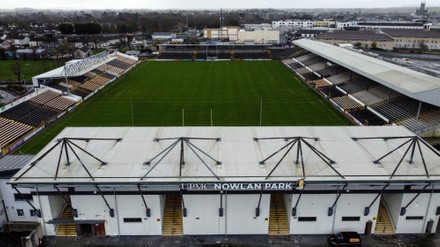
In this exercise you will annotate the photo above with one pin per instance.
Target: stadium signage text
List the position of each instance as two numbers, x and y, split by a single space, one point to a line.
236 186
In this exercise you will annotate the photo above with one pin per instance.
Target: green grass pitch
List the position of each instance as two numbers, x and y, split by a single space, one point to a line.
157 94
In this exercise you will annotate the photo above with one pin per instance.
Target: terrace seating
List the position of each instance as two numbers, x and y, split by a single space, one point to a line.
310 76
126 59
40 115
11 131
288 61
81 92
90 74
367 117
368 98
302 71
347 103
100 80
296 65
384 92
45 97
313 61
90 86
112 69
74 83
319 83
331 70
18 111
318 66
60 103
120 64
305 57
331 91
357 84
340 78
394 112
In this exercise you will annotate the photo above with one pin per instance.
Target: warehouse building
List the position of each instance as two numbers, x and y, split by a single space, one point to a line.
234 180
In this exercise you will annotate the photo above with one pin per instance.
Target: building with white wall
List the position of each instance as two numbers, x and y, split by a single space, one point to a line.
14 207
230 33
234 180
292 24
259 36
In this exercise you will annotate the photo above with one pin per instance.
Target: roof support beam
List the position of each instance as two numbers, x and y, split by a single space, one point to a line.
330 209
367 209
28 202
111 210
147 209
403 209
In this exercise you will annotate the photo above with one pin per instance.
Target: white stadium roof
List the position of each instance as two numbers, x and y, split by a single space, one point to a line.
411 83
138 155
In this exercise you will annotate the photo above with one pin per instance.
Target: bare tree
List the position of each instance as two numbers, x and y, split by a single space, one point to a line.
17 70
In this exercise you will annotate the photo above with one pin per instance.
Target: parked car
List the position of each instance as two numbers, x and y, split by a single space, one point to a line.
345 239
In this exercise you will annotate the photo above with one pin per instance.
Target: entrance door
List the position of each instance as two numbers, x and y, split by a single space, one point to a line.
368 227
99 229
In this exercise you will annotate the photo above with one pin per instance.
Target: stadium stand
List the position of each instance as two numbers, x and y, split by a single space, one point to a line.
319 83
45 97
331 91
313 60
347 103
318 66
18 111
305 57
302 70
11 131
310 76
39 116
340 78
368 98
331 70
60 103
366 117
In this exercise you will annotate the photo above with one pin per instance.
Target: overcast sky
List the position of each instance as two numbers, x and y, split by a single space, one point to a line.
207 4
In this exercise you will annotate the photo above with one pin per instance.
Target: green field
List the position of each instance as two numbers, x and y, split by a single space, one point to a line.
30 68
157 93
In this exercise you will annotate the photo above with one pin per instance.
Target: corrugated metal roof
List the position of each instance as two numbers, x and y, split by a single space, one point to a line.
237 149
411 83
354 35
412 33
14 162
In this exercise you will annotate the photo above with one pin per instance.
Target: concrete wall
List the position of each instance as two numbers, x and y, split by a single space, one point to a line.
132 206
393 203
93 207
353 205
418 207
203 215
260 36
312 205
316 205
238 214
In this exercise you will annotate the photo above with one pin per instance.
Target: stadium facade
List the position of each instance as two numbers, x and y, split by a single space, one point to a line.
234 180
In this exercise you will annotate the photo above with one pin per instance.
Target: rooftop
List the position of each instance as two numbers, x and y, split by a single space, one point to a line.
354 35
413 33
148 155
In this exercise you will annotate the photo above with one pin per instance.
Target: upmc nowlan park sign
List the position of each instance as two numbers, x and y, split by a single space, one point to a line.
238 186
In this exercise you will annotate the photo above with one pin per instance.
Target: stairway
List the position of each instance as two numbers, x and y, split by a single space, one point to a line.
383 223
66 229
172 219
278 218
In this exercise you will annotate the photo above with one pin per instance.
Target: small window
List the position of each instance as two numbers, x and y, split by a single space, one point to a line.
414 217
351 218
33 212
306 218
22 197
132 220
20 212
